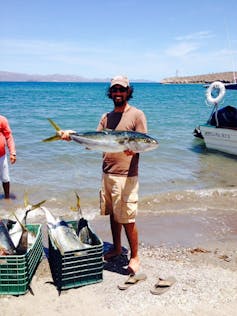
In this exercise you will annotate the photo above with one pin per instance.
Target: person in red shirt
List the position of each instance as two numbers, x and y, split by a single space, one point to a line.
6 140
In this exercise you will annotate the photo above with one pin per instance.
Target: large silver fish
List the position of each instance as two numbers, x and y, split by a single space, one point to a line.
23 244
6 245
64 237
83 230
18 229
109 140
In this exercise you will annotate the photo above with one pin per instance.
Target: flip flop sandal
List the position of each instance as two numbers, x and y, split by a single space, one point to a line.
162 285
132 280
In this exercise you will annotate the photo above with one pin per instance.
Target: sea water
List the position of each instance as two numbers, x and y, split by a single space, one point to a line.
181 175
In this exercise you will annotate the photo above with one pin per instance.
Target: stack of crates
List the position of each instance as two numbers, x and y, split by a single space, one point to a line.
16 271
76 268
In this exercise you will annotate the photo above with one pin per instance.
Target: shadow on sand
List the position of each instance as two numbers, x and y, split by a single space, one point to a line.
116 264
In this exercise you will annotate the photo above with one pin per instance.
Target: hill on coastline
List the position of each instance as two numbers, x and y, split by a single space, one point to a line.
22 77
225 77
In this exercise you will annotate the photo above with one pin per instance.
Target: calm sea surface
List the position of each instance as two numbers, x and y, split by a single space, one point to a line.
180 176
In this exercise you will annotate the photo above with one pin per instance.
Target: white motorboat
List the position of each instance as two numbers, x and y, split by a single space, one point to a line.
220 131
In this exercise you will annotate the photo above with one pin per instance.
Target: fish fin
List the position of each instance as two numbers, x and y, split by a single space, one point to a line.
22 246
51 139
73 208
56 136
21 224
38 204
27 204
77 208
26 199
55 126
78 201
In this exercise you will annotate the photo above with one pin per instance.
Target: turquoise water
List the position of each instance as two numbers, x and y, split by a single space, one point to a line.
181 175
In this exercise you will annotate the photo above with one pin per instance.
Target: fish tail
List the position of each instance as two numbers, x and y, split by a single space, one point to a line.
23 227
78 206
51 139
55 126
56 136
34 206
27 203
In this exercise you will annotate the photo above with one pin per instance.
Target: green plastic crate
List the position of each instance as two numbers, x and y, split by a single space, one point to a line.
76 268
16 271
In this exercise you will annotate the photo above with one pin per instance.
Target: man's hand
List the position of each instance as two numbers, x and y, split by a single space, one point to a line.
129 152
65 135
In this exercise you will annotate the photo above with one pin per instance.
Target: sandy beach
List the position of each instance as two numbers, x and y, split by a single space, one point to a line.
205 269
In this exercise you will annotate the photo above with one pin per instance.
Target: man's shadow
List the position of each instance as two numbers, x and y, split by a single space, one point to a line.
116 264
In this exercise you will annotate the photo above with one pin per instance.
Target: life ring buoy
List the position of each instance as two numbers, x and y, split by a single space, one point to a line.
215 92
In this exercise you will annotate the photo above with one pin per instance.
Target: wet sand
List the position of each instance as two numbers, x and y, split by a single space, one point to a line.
176 229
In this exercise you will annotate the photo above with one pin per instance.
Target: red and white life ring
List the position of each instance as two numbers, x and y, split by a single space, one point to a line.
215 92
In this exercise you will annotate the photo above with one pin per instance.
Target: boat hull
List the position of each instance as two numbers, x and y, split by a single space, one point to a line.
231 86
221 139
228 86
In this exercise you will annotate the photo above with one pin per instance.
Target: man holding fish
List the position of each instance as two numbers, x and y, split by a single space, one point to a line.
119 193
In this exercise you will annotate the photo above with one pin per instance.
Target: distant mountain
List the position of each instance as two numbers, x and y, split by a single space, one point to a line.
21 77
13 76
225 77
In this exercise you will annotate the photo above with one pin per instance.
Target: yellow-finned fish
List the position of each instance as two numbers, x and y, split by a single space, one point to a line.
18 229
83 231
109 140
64 236
6 245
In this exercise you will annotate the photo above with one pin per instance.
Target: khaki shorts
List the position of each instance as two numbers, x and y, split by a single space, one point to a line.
119 195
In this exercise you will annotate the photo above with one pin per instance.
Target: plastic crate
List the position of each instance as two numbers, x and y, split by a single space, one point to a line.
16 271
76 268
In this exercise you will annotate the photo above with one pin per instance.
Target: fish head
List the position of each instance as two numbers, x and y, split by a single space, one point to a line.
139 142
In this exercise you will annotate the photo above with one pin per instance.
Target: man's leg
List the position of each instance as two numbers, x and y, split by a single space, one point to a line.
116 235
6 189
132 236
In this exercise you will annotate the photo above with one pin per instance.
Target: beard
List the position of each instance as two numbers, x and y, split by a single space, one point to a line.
119 102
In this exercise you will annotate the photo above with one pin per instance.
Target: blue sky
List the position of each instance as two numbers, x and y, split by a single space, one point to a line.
149 39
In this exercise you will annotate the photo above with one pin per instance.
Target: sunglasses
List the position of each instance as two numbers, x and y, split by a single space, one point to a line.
120 89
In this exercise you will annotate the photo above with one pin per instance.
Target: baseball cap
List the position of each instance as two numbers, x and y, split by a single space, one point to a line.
121 80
